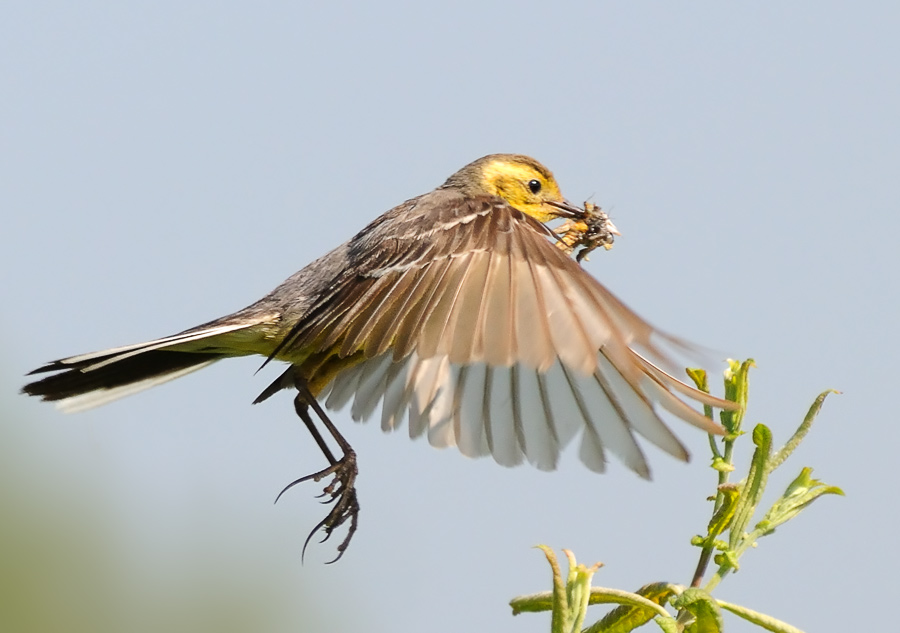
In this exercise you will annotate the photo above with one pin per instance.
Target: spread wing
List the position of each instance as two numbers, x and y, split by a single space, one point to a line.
492 339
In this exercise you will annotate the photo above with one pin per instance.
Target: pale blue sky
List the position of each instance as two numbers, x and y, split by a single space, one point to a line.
163 165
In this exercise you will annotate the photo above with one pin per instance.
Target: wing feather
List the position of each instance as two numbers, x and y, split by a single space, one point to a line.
534 343
489 338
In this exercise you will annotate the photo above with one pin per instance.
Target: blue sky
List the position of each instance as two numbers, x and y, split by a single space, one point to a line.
163 165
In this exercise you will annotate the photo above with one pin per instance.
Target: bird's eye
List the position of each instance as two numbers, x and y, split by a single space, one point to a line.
534 185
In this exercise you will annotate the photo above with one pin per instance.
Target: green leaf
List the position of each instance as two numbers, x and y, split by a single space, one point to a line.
701 605
760 619
722 517
754 486
701 380
578 590
736 390
560 602
785 451
667 624
800 493
633 613
699 377
720 464
569 600
532 603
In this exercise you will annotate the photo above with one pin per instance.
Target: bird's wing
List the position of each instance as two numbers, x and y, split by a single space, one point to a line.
492 339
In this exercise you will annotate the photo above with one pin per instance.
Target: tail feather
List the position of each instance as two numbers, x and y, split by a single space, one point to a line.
90 380
76 390
196 339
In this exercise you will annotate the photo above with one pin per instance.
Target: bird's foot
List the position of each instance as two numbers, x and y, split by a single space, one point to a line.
341 492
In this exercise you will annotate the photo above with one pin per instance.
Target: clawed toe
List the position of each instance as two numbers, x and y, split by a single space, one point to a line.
341 492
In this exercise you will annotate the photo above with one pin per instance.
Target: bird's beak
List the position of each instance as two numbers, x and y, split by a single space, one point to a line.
567 210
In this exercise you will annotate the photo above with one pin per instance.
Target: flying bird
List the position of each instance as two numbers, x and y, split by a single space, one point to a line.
459 311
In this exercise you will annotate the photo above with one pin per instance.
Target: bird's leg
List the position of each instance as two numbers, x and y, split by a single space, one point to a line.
342 490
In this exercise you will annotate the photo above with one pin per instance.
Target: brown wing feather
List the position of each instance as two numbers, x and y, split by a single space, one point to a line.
479 282
421 305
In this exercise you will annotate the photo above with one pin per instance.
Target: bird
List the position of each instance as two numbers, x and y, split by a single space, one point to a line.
460 312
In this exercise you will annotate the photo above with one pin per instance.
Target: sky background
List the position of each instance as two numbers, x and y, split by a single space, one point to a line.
163 164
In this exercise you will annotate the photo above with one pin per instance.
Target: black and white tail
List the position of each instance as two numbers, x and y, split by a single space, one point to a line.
90 380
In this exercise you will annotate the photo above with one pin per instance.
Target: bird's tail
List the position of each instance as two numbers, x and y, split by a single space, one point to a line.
90 380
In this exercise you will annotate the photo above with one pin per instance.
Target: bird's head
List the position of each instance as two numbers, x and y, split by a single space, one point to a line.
521 181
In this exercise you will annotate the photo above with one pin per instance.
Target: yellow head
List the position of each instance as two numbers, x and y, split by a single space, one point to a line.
520 180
